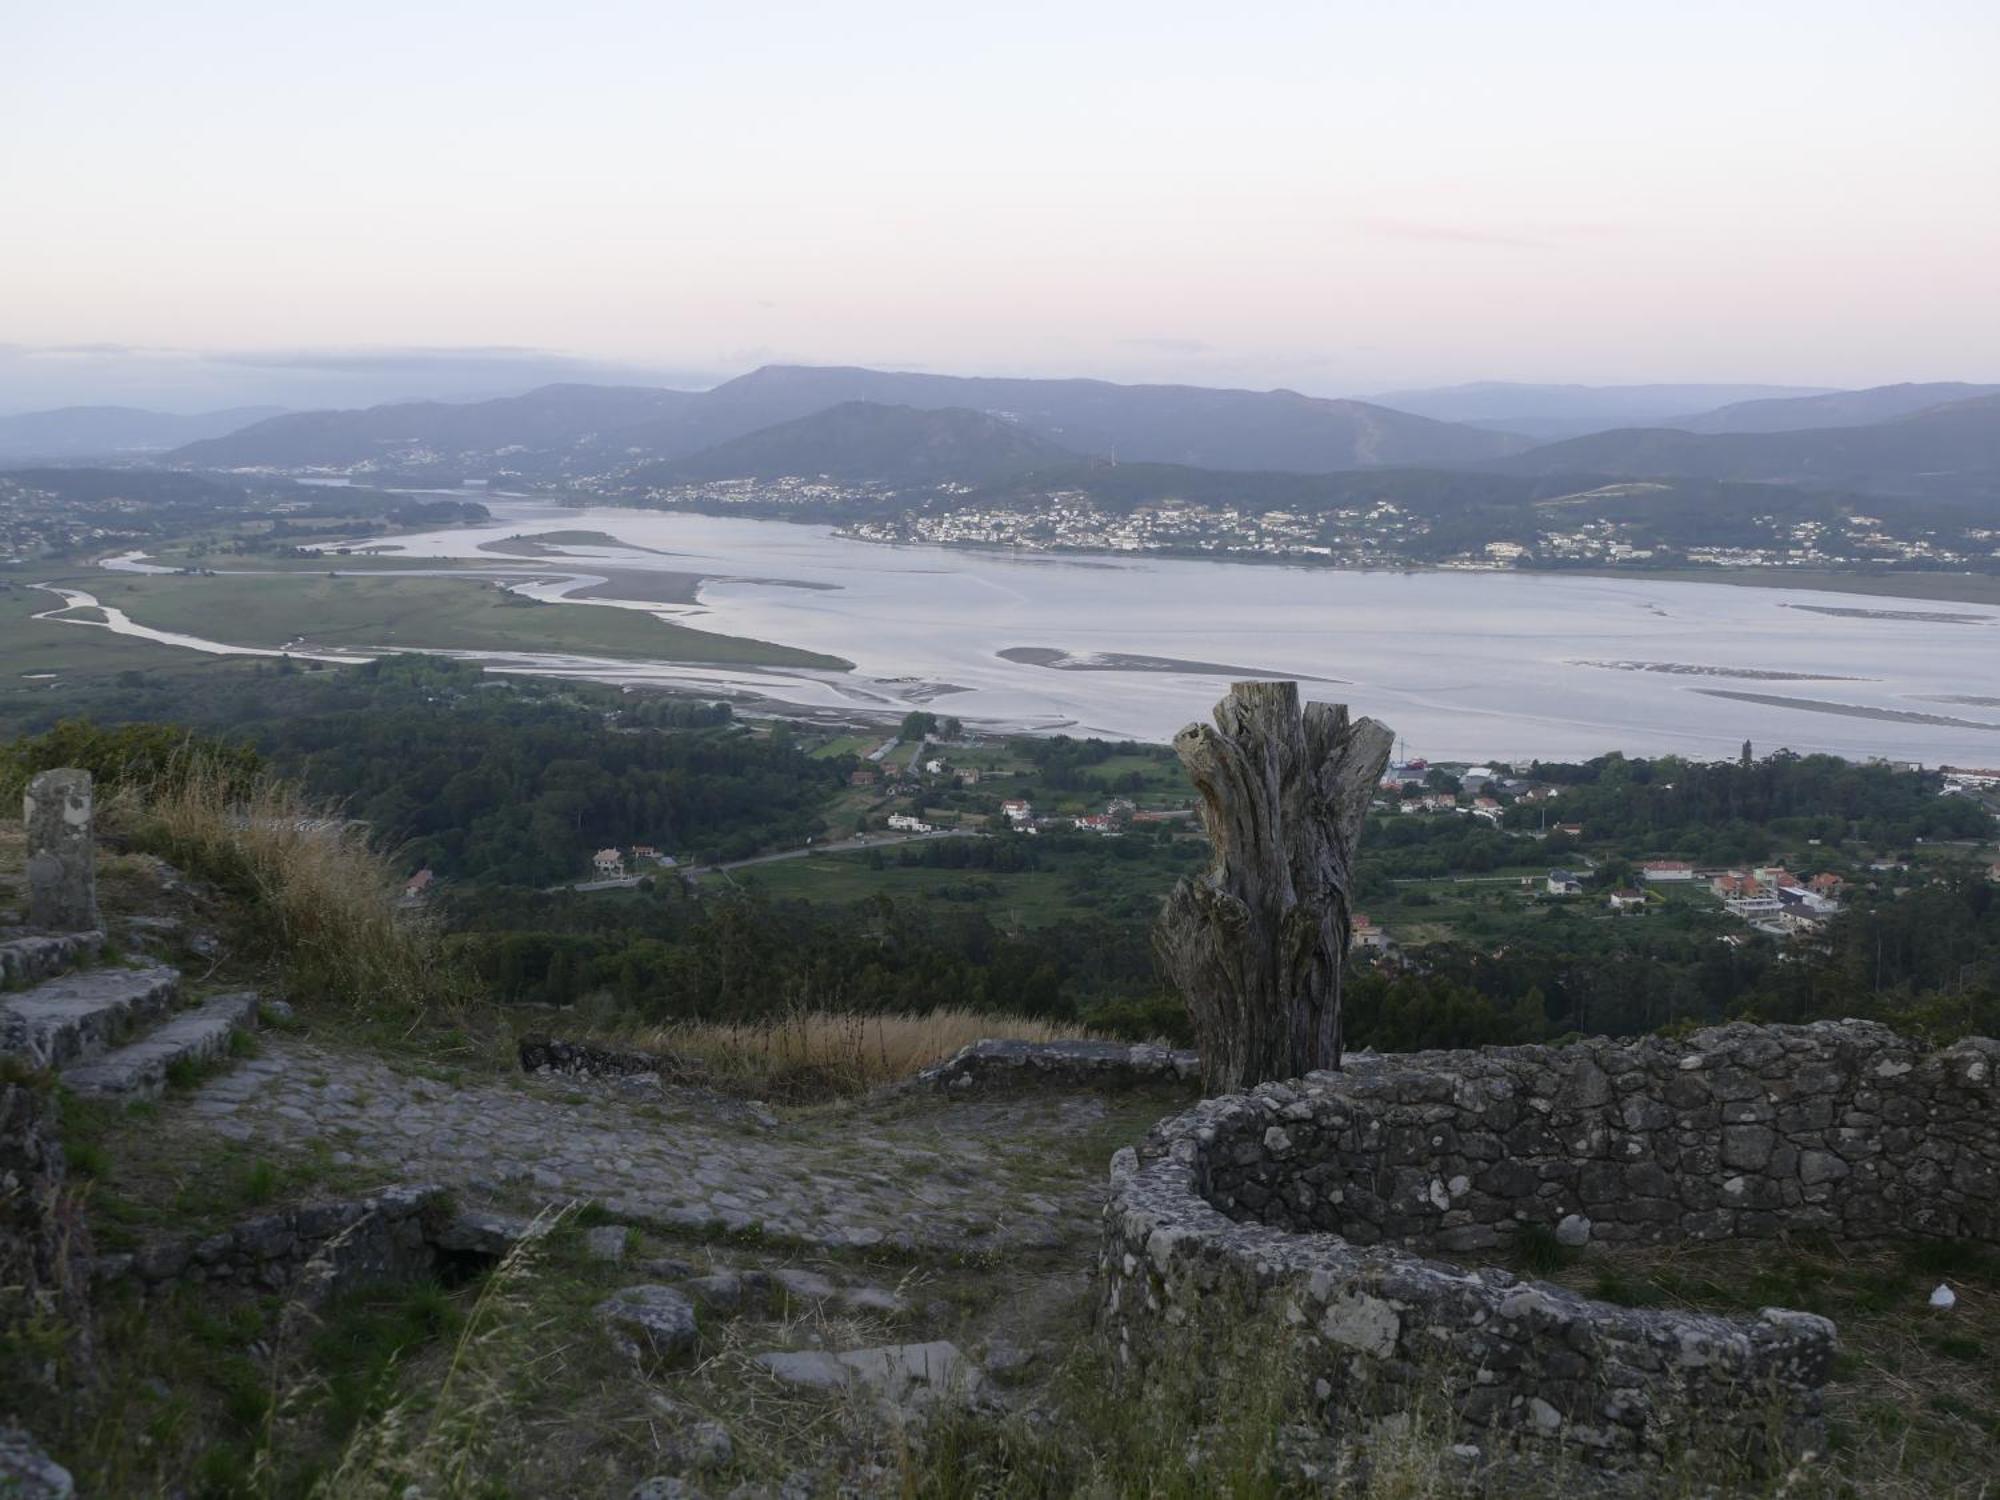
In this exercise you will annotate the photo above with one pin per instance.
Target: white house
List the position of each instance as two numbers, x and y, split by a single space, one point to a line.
1564 883
1018 812
1658 871
904 823
608 863
1368 937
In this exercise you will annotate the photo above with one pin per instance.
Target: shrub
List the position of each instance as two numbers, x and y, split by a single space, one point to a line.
151 757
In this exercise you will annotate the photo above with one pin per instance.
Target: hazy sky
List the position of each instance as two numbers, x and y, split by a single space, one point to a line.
1335 196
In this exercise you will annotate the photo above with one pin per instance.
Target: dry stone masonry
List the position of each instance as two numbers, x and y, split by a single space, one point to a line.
317 1249
999 1064
1321 1202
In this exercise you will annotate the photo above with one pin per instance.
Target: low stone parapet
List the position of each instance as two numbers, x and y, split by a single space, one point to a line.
1328 1205
319 1250
1001 1064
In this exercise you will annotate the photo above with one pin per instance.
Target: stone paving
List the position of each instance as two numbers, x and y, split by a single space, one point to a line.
909 1171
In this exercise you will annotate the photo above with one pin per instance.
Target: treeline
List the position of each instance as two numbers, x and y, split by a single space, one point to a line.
661 957
490 778
1727 810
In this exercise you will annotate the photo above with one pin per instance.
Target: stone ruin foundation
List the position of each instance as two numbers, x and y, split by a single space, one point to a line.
1341 1203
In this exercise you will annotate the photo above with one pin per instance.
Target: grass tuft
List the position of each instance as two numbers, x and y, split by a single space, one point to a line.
811 1054
320 898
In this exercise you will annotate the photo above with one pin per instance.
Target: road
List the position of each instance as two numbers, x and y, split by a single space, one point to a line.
835 846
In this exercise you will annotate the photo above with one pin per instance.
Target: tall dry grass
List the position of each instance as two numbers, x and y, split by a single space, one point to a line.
318 898
446 1440
814 1053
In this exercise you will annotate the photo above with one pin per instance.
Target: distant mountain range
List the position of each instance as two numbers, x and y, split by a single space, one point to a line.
1881 403
1938 442
1551 412
864 442
109 431
1948 452
414 433
576 429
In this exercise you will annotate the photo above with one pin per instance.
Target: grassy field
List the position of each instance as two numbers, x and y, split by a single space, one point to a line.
848 744
360 611
40 661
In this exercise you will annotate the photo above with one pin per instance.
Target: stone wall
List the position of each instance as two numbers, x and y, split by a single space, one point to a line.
1316 1202
316 1250
1004 1064
32 958
42 1238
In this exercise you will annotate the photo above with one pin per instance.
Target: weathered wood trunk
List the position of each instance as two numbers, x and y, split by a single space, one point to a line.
1256 943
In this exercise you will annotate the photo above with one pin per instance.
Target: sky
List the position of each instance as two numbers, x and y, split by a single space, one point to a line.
234 200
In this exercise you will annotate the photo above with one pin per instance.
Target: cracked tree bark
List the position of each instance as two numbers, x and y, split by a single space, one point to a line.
1256 943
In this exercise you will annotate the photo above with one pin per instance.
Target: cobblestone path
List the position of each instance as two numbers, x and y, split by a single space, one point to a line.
907 1171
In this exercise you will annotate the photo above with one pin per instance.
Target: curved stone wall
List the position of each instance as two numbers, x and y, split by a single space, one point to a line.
1319 1200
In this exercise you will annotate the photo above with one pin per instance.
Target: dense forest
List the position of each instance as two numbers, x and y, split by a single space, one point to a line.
498 779
1732 810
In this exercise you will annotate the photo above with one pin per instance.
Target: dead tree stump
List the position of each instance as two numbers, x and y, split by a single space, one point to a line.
1256 943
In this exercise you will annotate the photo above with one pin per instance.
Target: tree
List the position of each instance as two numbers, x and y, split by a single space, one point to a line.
919 725
1256 944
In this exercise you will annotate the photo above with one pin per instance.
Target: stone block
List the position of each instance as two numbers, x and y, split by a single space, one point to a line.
62 852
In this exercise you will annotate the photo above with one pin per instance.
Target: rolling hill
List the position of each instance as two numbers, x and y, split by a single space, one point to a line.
1552 412
601 429
1197 425
1949 452
1880 403
864 442
554 418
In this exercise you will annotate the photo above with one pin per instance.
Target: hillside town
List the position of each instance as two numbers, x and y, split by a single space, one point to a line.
1569 530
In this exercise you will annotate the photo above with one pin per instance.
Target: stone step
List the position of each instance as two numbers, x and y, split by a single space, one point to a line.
74 1018
138 1070
33 958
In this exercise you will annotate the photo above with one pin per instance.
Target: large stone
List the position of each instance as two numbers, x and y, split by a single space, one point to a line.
1748 1147
62 852
606 1243
27 1473
654 1324
902 1374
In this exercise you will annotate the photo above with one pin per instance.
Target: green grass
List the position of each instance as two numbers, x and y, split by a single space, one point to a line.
363 611
848 744
1913 1407
31 645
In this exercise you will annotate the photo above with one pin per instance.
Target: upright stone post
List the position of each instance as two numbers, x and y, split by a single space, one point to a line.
1256 944
62 855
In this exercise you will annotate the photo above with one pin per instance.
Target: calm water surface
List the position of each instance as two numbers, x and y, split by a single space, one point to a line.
1460 664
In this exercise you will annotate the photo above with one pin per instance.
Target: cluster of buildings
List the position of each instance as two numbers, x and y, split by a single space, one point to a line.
1117 815
1768 897
1379 534
614 864
1357 536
